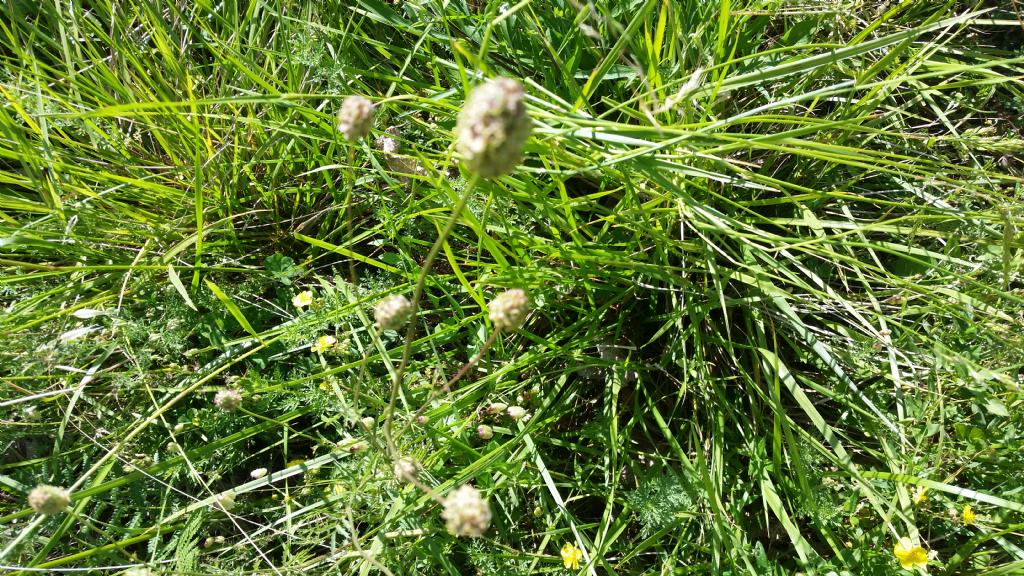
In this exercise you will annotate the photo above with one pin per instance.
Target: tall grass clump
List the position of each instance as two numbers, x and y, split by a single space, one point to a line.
467 287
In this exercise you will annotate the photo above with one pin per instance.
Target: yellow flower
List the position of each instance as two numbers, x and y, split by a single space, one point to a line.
920 495
909 554
571 556
323 344
969 515
302 299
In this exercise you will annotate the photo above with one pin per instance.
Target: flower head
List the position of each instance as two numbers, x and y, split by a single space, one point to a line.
516 412
466 513
355 117
324 343
258 473
920 495
496 407
508 310
368 423
910 555
492 128
969 516
227 400
49 500
571 556
406 469
392 312
225 501
485 432
302 299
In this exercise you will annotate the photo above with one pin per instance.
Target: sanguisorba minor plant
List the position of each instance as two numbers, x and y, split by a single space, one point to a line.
632 287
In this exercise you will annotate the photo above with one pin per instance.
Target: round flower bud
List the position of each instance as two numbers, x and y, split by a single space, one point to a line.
355 117
508 310
49 500
516 412
406 469
368 423
228 400
492 128
497 408
466 513
422 419
225 501
392 312
484 432
258 473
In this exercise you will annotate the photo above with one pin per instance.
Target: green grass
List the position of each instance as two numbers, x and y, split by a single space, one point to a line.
774 250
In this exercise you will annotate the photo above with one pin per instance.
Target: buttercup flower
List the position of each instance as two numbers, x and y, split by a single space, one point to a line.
392 312
227 400
492 128
910 555
920 495
49 500
355 117
302 299
571 556
466 513
324 343
969 516
508 310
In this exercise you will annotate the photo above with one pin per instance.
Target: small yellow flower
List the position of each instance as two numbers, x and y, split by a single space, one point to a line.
323 344
909 554
302 299
969 515
920 495
571 556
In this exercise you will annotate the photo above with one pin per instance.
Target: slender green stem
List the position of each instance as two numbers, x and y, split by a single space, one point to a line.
410 332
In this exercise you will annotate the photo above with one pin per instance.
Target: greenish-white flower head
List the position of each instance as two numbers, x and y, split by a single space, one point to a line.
49 500
228 400
466 513
492 128
392 312
508 310
225 501
355 117
406 469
